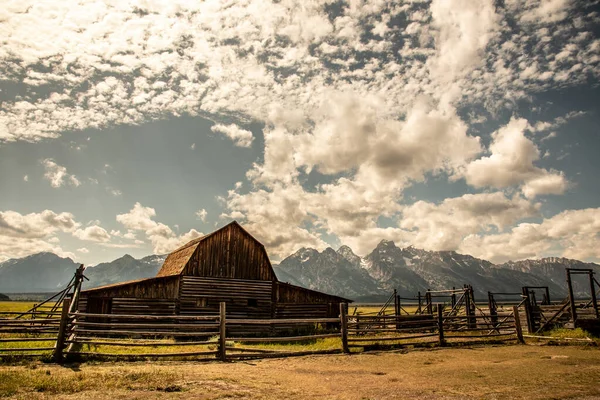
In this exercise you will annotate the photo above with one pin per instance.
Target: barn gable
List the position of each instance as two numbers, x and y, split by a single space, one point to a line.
230 252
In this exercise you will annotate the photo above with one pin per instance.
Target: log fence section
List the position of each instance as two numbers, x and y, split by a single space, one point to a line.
37 331
443 329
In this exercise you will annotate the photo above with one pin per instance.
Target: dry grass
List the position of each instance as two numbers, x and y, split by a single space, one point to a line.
507 372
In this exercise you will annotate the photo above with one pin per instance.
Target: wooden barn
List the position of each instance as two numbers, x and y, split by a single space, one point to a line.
227 265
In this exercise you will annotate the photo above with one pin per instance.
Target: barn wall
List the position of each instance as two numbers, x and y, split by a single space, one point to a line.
297 302
142 297
244 298
230 253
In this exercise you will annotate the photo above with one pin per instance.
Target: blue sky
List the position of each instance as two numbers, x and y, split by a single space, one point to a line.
132 127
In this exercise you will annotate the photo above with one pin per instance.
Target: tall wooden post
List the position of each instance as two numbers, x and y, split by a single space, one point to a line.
493 309
528 310
429 301
440 322
62 332
344 328
419 298
518 328
471 322
548 302
453 297
222 331
593 292
571 298
398 311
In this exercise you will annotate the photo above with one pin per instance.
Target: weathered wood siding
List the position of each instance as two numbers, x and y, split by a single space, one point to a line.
132 306
151 288
297 302
244 298
230 253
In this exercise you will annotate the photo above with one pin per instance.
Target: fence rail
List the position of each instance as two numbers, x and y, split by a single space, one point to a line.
77 335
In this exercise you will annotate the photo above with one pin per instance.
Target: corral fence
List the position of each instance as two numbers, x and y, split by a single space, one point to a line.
438 329
35 332
85 335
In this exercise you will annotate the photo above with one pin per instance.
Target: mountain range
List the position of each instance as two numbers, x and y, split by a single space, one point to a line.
369 278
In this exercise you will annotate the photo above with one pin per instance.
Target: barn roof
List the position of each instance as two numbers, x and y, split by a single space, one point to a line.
178 259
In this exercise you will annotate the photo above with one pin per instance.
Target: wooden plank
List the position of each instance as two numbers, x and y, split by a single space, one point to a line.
157 326
150 317
518 328
344 328
145 333
62 332
134 344
143 355
387 339
4 350
283 354
280 321
248 349
222 332
479 336
282 339
6 340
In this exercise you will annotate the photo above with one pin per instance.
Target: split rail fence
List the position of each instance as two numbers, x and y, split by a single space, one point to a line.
84 335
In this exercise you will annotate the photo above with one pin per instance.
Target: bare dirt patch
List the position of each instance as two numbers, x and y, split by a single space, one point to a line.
503 372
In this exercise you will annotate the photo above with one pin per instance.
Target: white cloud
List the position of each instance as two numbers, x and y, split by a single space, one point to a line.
337 98
26 178
201 214
57 174
92 233
511 163
443 226
193 146
163 239
239 136
83 250
35 225
573 232
25 234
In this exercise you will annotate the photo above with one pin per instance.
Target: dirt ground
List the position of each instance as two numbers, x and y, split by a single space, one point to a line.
503 372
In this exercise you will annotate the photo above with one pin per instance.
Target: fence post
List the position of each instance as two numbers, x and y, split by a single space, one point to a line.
440 321
399 314
492 308
518 324
222 331
344 328
593 293
62 332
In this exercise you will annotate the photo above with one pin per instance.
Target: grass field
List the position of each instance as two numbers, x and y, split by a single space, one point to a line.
506 372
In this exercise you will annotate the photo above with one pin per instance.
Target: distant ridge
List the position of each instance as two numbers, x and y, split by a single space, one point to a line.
341 272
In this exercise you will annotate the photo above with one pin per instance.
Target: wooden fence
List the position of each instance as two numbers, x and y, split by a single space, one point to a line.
78 335
381 331
29 333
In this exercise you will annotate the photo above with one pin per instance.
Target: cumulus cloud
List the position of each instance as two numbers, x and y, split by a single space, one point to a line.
24 234
512 163
239 136
443 226
573 232
163 239
368 98
57 174
201 214
35 225
92 233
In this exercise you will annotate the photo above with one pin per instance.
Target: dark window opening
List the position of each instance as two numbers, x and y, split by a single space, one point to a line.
252 303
